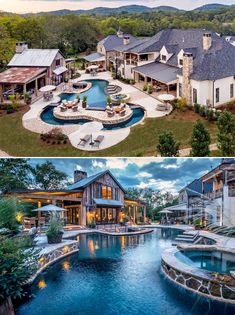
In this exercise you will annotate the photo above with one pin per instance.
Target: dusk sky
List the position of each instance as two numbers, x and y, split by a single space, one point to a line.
162 174
21 6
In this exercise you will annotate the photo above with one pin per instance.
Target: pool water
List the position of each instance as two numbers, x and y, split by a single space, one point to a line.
212 261
96 96
48 117
115 275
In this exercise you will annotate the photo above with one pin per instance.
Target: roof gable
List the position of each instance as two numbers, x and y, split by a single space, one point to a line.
89 180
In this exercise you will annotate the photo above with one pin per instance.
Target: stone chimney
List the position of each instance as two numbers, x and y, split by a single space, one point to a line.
207 41
79 175
126 40
120 33
20 47
187 71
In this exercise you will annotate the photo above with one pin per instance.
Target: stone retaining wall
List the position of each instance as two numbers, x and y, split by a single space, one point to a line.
210 285
51 256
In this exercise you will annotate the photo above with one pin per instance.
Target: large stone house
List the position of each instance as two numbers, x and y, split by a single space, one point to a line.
106 49
99 198
194 64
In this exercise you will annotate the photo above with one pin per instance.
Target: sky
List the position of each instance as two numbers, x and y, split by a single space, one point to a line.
160 174
22 6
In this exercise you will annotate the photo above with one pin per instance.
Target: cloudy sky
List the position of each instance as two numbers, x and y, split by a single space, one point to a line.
163 174
21 6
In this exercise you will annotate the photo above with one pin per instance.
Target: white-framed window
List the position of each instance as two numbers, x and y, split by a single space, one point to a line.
217 95
232 90
194 96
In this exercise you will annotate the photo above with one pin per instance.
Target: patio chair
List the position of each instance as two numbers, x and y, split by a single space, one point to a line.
75 108
84 140
98 141
63 109
122 112
110 112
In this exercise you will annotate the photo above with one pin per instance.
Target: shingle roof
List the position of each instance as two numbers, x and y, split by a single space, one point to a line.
94 56
34 58
88 180
216 63
112 41
16 75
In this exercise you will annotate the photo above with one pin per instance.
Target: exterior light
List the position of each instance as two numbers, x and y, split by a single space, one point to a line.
66 249
42 284
19 217
41 261
66 265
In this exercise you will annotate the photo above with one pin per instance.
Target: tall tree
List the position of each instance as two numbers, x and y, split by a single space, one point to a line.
167 145
15 174
46 176
226 133
200 140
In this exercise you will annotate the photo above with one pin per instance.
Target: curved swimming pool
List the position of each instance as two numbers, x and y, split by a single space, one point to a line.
115 275
96 96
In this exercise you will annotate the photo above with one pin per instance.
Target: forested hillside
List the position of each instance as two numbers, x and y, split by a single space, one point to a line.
74 34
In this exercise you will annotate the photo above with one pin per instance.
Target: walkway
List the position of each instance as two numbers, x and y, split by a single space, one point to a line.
4 154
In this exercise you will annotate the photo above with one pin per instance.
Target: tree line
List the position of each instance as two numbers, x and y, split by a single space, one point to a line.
74 34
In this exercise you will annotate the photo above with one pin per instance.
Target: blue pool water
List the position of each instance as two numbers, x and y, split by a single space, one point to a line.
96 96
115 275
48 117
213 261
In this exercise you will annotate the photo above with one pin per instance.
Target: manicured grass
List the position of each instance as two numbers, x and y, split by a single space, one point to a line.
142 141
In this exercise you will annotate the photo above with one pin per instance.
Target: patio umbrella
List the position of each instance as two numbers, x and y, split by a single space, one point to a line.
47 88
166 97
93 67
49 208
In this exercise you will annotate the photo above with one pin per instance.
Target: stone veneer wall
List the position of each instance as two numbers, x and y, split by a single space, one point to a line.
187 71
221 288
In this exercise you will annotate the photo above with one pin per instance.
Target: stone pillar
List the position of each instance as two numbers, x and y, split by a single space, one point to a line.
187 71
207 41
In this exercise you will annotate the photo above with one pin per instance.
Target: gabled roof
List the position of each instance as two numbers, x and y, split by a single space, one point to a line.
89 180
215 63
94 57
196 188
34 58
112 41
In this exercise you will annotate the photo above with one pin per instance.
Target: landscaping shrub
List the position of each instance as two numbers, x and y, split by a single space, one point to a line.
181 104
145 88
150 89
202 111
54 136
197 108
10 109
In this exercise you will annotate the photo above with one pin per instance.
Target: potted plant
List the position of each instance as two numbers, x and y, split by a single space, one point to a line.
28 98
92 223
197 224
84 101
55 231
109 101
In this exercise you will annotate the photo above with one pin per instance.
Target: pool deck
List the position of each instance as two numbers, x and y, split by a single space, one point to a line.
32 121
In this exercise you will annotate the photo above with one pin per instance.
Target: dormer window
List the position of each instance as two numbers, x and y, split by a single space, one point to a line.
163 57
181 62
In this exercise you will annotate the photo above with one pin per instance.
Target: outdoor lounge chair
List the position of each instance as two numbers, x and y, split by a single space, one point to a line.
98 141
75 108
63 108
84 140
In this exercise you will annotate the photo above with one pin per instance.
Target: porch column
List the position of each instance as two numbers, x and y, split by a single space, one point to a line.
83 215
36 87
144 214
134 214
24 88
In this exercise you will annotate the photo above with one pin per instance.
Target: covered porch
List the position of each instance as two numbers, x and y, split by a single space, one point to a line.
161 77
95 59
22 81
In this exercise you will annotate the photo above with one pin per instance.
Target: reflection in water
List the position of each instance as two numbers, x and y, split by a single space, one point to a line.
42 284
115 275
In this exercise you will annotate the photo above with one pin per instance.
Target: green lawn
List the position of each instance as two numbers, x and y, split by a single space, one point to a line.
142 141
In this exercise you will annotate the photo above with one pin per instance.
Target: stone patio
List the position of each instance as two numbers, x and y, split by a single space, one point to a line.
33 122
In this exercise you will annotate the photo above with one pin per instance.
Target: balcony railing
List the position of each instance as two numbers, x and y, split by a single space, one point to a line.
215 194
231 176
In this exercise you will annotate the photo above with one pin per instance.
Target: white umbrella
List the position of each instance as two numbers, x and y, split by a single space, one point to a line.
47 88
93 67
166 212
49 208
166 97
